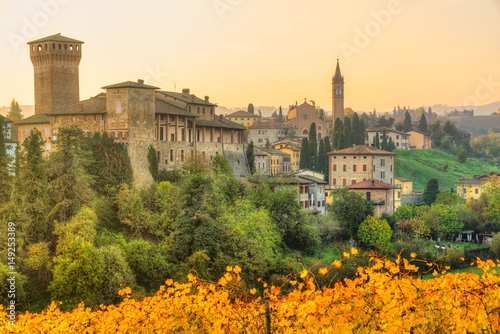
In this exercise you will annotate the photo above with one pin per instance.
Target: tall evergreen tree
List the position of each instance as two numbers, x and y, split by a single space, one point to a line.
69 184
384 141
5 160
355 130
422 124
390 145
326 167
362 132
34 197
347 132
341 144
251 157
280 116
377 140
305 158
320 166
14 113
431 191
407 122
251 108
313 145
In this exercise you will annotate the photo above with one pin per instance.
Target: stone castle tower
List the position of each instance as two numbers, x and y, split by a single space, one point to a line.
55 59
337 95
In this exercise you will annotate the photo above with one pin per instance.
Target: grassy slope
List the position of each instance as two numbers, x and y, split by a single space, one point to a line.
422 165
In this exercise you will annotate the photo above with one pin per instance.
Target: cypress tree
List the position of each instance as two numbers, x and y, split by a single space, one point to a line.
377 140
69 184
362 132
341 143
33 188
320 166
407 122
430 192
390 145
422 124
355 130
384 141
313 145
347 132
251 108
305 159
251 157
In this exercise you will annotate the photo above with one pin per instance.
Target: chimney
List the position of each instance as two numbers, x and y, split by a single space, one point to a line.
185 92
373 182
193 97
140 81
80 107
206 99
221 117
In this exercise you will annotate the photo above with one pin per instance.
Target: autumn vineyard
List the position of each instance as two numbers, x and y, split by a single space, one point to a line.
384 297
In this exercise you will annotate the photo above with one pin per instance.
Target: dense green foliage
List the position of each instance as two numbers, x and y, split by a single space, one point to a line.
251 157
14 113
431 191
375 233
350 209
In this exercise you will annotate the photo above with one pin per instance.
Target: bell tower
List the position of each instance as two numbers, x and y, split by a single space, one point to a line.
55 60
337 95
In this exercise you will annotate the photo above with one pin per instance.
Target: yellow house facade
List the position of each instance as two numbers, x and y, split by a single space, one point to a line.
420 140
243 117
293 151
406 185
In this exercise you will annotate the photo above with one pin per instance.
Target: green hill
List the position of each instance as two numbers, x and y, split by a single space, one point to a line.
422 165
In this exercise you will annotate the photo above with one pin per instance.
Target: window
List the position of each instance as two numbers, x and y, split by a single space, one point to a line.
55 135
373 167
344 182
95 118
399 194
477 190
27 132
198 110
182 155
189 108
334 181
364 167
203 110
158 155
368 196
48 147
397 136
391 168
382 162
354 168
171 155
353 181
47 132
382 175
344 168
243 118
334 168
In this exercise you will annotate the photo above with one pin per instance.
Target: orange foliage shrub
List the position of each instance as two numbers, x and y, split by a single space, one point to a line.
386 297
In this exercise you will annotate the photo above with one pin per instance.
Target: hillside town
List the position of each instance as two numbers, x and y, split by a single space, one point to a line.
109 200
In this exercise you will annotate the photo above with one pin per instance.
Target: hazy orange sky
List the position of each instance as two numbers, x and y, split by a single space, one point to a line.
269 52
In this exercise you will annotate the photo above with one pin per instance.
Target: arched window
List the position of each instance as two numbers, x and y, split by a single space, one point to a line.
53 45
305 132
59 46
77 48
39 47
65 46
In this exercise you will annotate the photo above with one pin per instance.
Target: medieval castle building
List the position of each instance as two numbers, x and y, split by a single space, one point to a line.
178 125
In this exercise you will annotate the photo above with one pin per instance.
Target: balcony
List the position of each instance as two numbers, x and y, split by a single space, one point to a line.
379 202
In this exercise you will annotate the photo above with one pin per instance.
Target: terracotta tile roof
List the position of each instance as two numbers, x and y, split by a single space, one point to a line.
371 184
270 124
187 99
162 107
471 182
55 38
35 119
242 113
218 123
94 105
359 150
381 130
313 179
130 84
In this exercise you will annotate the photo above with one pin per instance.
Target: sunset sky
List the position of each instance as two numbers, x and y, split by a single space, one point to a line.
268 52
